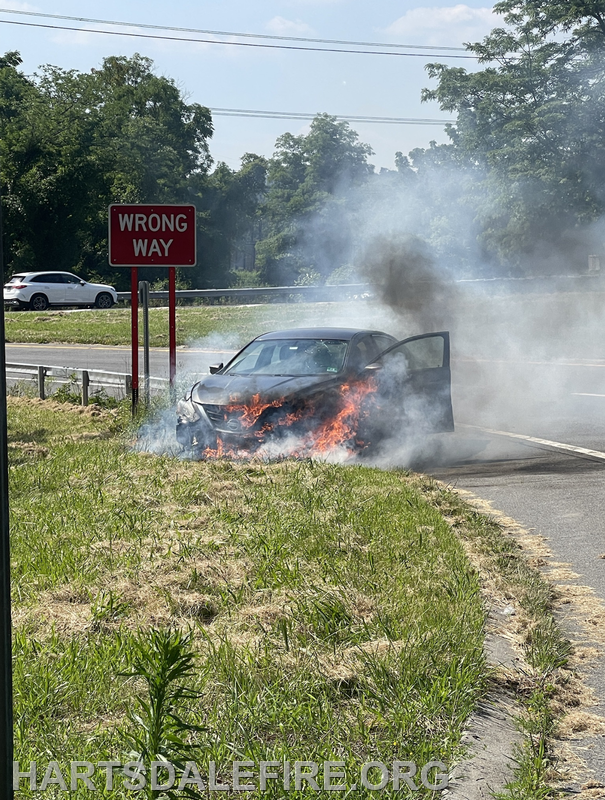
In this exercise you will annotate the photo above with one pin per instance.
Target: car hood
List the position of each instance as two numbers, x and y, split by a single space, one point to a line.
102 286
222 390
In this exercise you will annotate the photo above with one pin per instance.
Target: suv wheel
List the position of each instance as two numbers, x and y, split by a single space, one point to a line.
104 300
39 302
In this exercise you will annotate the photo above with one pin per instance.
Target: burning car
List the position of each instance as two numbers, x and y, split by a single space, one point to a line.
320 388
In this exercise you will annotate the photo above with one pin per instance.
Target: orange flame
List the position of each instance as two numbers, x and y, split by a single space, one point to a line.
250 412
341 431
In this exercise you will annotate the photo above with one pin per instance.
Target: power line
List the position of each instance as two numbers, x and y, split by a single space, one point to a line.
228 33
243 112
230 44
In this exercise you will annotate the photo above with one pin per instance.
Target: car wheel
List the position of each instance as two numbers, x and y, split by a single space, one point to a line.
104 300
195 436
39 302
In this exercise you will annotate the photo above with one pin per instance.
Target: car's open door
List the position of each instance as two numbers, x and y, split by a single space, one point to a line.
415 376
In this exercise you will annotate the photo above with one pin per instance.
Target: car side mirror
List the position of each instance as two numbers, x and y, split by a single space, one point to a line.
214 368
82 283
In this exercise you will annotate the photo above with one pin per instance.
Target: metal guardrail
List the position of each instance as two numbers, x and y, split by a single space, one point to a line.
360 291
346 291
84 378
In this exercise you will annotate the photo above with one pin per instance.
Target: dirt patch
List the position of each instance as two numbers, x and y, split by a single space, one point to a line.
91 410
29 448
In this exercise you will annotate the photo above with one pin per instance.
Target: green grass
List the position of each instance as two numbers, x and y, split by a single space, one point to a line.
235 324
332 613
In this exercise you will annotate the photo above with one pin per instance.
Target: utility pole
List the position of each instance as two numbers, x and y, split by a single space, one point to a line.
6 659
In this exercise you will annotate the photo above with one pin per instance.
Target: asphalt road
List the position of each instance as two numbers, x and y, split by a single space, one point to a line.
112 359
559 494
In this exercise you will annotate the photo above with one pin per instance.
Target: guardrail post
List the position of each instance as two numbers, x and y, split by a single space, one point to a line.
41 382
144 300
85 385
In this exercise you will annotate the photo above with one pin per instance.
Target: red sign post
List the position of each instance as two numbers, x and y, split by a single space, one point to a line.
152 236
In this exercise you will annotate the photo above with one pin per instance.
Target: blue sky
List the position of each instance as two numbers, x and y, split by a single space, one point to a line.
274 80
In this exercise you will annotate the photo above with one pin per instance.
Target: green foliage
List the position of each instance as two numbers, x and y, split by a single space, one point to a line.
308 276
71 143
165 661
245 278
229 205
308 220
531 123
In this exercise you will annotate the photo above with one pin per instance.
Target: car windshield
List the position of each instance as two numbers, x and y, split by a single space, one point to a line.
15 279
290 357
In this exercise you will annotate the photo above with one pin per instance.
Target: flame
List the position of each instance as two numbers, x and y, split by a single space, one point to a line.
342 429
338 433
250 412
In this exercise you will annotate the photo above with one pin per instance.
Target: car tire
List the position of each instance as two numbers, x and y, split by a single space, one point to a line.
39 302
195 436
104 300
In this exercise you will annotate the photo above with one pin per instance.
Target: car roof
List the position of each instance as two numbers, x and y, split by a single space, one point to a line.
44 272
317 333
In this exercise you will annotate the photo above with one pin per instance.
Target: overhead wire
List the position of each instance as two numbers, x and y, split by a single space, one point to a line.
251 113
197 40
243 112
272 36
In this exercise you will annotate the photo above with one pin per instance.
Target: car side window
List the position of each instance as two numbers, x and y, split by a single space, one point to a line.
52 277
361 353
70 279
39 279
420 354
382 342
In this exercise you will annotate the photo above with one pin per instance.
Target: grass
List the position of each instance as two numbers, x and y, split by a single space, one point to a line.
112 327
331 613
220 612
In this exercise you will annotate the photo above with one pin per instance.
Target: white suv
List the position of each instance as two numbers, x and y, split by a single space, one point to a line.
39 290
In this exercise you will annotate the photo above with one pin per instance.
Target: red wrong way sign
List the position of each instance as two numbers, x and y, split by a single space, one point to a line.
152 235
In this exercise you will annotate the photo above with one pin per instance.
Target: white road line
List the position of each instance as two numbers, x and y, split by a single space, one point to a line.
546 444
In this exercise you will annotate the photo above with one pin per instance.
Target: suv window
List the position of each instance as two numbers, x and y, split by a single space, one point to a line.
52 277
70 279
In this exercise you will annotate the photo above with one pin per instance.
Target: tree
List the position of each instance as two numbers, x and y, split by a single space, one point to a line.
229 205
75 142
533 123
311 179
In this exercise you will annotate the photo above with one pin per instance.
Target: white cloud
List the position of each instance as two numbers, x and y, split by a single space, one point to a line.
287 27
444 25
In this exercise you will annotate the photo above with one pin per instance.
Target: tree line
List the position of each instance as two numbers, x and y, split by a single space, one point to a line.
518 189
